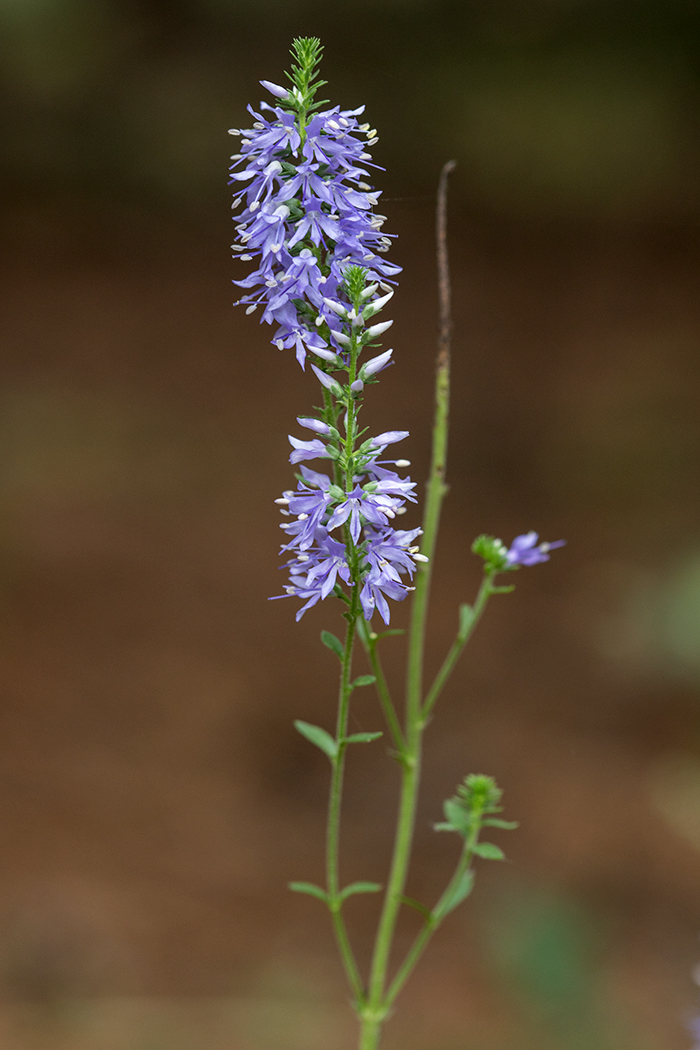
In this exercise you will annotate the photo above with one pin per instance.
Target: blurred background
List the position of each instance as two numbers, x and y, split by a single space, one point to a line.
154 798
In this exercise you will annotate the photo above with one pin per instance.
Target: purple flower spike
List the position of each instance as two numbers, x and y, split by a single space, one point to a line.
306 215
524 550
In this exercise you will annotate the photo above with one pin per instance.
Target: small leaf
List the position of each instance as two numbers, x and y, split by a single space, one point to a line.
319 737
359 887
460 891
456 815
496 822
364 679
466 619
362 738
421 908
488 851
333 643
395 631
308 887
503 590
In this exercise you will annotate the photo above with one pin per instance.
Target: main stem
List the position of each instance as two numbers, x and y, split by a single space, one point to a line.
376 1009
334 806
344 691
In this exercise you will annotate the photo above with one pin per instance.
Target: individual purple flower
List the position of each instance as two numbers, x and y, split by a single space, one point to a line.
310 503
360 506
388 555
314 449
524 550
313 574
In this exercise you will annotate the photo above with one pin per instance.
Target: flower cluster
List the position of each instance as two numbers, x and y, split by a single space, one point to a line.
307 215
373 552
308 224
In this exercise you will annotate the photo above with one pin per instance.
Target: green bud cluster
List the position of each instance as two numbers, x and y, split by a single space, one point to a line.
494 552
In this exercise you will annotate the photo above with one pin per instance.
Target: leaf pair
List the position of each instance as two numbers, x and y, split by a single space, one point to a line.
323 740
316 891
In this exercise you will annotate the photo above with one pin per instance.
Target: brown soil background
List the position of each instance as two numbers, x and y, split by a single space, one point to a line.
154 798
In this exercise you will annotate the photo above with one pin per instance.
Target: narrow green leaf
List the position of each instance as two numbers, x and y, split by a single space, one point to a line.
333 643
308 887
488 851
466 619
364 679
319 737
503 590
362 738
496 822
359 887
462 889
395 631
421 908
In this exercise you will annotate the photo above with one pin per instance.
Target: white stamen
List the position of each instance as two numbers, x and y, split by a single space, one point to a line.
420 557
282 501
402 463
235 131
302 517
252 309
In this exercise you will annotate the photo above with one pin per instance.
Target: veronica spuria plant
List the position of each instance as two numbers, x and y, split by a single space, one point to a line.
307 222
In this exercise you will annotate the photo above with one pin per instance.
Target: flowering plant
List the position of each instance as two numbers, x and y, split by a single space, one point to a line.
309 225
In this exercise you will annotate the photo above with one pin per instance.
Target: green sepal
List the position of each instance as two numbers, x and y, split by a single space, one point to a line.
362 738
310 889
496 822
460 891
333 643
466 619
420 908
487 851
359 887
364 679
319 737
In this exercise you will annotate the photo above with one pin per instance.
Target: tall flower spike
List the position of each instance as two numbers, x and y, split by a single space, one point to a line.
307 213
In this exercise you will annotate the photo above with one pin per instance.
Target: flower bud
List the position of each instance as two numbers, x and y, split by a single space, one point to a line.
376 329
274 89
376 364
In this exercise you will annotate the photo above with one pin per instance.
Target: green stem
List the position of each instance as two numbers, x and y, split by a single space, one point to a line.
463 636
437 915
376 1009
334 806
369 640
